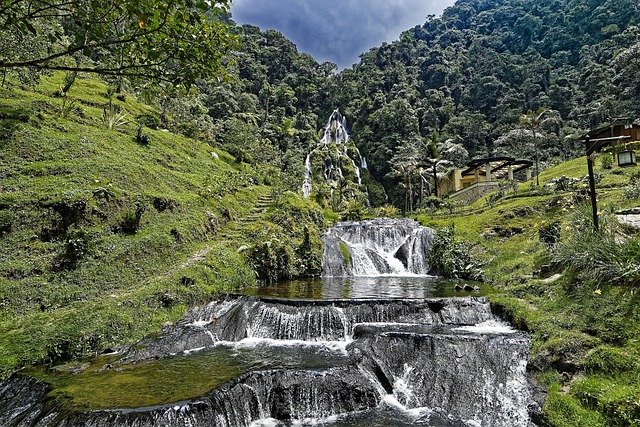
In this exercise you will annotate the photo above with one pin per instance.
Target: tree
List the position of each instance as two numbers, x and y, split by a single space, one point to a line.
441 158
175 41
533 121
404 166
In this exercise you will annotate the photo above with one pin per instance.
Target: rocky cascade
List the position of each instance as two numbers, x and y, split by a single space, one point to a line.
424 362
239 318
377 247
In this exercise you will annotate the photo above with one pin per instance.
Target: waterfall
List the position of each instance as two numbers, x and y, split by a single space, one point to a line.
377 247
335 362
427 362
334 148
336 130
306 186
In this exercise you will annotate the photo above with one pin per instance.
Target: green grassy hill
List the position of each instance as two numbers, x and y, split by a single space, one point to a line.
103 238
585 323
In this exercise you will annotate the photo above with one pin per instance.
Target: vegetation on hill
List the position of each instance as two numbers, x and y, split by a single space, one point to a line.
585 321
470 75
110 228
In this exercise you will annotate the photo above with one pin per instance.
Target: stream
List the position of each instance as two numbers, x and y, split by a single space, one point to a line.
377 342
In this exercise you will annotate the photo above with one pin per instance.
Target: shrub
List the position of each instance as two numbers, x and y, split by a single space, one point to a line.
270 260
354 210
451 258
6 222
74 250
599 257
633 189
549 235
141 137
130 221
387 211
606 160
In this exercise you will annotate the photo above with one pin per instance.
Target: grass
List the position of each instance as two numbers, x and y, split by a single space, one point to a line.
74 280
584 326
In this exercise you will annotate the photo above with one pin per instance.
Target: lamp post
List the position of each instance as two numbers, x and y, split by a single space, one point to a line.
592 184
593 146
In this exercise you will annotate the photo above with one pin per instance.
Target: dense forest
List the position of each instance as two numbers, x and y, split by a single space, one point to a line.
477 81
469 77
471 74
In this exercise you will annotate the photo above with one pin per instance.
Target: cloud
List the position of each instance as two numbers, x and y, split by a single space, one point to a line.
337 30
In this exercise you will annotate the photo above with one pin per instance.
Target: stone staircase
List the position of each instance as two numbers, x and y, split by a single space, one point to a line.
235 229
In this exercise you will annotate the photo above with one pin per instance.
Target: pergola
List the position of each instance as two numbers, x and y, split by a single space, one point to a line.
496 167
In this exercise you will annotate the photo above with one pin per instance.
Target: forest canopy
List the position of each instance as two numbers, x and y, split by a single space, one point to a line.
176 42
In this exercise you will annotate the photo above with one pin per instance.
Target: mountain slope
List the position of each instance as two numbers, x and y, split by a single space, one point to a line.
105 238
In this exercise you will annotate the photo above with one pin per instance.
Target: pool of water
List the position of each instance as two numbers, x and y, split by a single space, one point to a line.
107 384
385 287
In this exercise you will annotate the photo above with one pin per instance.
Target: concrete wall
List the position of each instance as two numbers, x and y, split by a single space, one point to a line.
475 191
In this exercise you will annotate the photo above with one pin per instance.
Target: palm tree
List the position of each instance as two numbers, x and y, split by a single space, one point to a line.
533 121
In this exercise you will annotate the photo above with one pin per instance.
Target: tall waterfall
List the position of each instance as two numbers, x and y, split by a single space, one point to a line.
336 151
306 185
377 247
335 132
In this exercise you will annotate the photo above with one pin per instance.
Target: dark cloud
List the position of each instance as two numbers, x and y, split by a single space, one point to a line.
337 30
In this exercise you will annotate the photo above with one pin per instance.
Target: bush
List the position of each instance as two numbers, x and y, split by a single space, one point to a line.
452 259
633 189
606 160
386 211
598 257
75 249
353 211
549 235
6 222
270 260
130 221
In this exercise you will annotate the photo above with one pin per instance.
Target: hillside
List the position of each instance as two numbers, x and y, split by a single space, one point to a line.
470 75
576 297
104 238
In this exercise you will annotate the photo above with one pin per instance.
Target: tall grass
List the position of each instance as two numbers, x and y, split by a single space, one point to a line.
600 258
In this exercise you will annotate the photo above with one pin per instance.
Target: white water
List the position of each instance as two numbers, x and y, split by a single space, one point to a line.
307 186
335 132
382 247
492 326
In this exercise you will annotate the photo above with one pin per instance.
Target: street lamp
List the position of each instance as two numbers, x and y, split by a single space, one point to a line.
626 158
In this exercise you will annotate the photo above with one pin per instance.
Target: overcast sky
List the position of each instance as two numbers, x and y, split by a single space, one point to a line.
337 30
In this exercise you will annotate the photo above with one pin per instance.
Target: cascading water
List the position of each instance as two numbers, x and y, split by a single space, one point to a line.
306 185
377 247
445 362
334 149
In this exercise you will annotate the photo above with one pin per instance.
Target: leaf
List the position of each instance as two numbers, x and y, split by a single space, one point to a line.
30 27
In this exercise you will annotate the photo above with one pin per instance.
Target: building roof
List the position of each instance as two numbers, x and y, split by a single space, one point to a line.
499 165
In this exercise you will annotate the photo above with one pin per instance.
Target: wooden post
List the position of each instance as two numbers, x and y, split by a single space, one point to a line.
592 186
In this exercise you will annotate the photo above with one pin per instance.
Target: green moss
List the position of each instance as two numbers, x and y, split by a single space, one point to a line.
145 384
346 255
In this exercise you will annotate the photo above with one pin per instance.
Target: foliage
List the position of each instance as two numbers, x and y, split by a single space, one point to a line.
386 211
606 159
452 258
473 73
163 42
113 117
633 189
270 260
599 258
354 210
